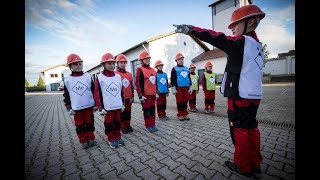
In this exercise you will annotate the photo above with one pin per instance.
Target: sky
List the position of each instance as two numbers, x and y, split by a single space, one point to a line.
56 28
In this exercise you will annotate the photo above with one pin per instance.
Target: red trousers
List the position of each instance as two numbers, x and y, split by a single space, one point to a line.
182 98
125 117
84 122
162 105
209 97
245 133
193 99
148 108
112 124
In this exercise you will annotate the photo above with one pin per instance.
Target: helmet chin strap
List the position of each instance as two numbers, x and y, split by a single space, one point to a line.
245 26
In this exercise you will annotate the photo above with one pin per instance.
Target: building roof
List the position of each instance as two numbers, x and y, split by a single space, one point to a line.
215 3
53 67
290 53
219 1
156 38
215 53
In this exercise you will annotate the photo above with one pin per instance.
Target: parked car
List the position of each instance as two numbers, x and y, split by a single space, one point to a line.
61 88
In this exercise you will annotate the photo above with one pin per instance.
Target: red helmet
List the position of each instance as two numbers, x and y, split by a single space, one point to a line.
121 57
192 66
144 55
208 64
107 57
157 63
178 56
245 12
73 58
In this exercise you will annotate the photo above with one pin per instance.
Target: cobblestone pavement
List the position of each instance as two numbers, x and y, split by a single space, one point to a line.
194 149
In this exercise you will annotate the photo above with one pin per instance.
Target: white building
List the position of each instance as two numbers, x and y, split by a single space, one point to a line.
53 76
163 47
283 65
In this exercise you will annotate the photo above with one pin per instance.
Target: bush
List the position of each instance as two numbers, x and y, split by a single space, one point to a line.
35 88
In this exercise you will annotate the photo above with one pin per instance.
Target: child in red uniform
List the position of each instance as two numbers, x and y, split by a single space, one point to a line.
128 93
146 89
78 99
195 88
241 83
162 91
108 96
209 88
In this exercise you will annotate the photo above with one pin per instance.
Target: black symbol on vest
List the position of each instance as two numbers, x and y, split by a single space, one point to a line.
113 89
79 88
261 57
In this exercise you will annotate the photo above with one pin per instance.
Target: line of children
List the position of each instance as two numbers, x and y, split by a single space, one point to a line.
146 90
109 99
162 91
181 87
128 93
79 101
209 87
195 88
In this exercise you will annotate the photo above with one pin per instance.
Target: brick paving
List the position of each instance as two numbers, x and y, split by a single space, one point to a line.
194 149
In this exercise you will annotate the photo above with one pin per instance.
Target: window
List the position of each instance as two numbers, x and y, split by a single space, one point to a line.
135 64
184 43
53 75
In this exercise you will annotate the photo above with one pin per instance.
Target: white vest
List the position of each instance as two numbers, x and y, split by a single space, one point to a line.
79 88
111 91
250 83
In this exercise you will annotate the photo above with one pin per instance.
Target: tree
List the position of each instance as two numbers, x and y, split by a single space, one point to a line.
41 82
26 83
265 53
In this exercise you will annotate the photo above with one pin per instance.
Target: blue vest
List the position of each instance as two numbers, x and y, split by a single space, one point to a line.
182 76
162 83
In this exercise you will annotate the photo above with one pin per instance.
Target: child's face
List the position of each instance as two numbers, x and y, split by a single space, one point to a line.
122 64
209 68
180 61
238 28
76 66
160 67
192 69
146 61
109 66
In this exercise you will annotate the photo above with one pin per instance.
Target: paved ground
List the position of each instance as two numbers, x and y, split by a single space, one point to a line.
194 149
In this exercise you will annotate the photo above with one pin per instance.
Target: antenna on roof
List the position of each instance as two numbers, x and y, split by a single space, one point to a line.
145 48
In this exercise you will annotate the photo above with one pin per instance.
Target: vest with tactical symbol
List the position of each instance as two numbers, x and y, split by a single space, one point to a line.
111 91
149 80
182 76
79 88
162 82
210 80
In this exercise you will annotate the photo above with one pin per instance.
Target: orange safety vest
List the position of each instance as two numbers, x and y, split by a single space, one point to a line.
126 84
150 87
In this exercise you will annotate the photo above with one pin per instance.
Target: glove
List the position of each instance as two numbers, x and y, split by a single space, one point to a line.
167 94
71 112
123 107
197 91
183 28
190 90
131 100
157 96
174 91
102 112
142 99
